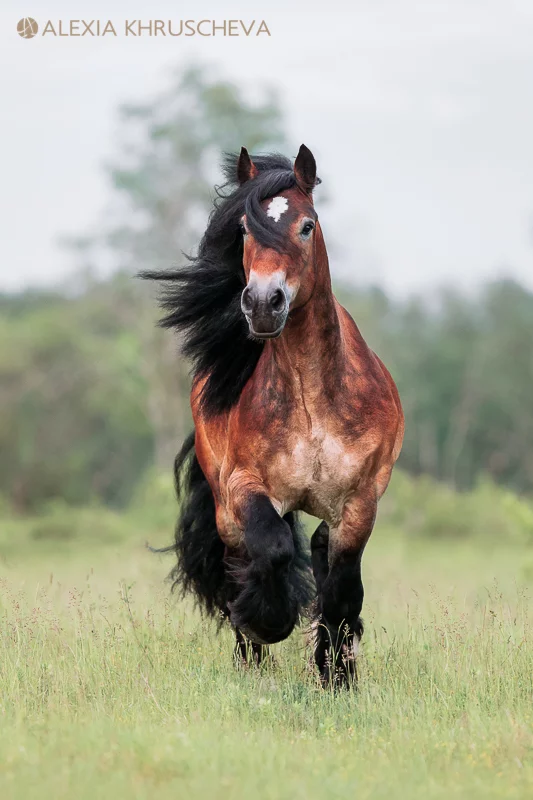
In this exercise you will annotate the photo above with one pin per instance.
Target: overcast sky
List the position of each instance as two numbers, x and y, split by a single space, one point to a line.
420 115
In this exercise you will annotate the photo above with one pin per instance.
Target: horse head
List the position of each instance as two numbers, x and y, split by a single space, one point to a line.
279 247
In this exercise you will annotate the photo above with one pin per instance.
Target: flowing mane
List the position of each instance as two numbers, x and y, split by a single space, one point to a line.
202 299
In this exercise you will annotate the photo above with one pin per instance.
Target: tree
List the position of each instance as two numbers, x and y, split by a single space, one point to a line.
464 368
91 391
73 423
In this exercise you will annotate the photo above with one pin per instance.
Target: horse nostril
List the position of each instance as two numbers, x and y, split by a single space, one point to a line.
277 300
247 301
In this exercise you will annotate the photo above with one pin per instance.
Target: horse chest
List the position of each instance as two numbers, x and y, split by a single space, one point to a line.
316 475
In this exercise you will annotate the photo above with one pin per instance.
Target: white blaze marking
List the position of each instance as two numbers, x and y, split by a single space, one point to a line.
277 207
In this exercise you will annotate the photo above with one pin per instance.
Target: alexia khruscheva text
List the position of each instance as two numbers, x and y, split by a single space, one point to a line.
156 27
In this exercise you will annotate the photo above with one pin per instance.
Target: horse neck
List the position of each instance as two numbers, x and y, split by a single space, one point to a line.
309 351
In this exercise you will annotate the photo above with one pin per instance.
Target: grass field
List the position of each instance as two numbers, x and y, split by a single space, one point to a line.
113 689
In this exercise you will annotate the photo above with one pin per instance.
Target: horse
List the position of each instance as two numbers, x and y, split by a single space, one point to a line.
292 412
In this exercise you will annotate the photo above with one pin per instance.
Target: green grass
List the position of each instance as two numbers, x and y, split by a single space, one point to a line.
113 689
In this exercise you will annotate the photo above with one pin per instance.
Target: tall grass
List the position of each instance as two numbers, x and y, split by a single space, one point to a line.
112 688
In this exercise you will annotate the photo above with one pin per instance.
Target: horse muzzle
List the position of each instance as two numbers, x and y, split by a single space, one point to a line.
265 305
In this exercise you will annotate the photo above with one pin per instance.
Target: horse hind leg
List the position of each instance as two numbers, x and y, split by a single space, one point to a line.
320 639
319 554
275 584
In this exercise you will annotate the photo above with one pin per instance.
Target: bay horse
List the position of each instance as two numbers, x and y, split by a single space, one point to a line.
292 412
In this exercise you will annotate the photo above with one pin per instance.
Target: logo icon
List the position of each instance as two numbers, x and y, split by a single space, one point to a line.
27 28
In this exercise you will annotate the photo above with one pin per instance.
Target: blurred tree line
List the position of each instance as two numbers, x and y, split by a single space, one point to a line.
93 394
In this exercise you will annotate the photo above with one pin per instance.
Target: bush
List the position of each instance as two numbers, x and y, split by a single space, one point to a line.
424 507
62 528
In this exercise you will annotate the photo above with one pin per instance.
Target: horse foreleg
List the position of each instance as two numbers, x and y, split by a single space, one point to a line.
340 591
269 588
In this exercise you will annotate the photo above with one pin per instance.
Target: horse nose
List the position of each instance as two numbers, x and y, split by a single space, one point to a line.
249 300
270 300
276 300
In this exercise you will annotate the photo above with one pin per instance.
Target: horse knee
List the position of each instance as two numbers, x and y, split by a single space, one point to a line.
268 537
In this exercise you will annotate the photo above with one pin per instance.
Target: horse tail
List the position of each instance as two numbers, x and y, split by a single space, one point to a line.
198 547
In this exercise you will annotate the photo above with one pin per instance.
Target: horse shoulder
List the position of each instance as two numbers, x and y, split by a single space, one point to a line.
375 393
210 437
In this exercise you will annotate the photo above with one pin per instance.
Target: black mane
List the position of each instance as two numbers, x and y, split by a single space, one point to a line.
202 300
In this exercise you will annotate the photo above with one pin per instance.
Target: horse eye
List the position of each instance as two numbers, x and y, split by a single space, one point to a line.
307 228
242 229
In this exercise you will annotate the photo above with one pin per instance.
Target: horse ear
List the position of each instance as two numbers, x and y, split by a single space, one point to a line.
246 169
305 169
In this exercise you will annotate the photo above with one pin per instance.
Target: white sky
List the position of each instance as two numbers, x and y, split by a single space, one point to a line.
420 115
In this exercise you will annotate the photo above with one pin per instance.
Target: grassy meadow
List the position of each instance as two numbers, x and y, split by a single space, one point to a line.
112 688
